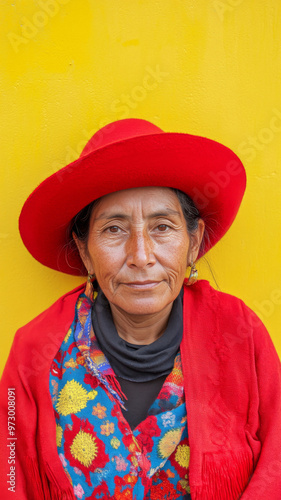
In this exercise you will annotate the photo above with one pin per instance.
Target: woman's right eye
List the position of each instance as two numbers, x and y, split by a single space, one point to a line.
113 229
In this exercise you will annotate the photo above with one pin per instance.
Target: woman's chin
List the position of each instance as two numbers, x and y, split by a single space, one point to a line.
142 305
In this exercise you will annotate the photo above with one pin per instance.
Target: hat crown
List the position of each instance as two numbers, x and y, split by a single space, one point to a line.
118 131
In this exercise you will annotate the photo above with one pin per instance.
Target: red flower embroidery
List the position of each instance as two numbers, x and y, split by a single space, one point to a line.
83 449
122 491
164 393
163 488
149 427
101 492
90 379
146 442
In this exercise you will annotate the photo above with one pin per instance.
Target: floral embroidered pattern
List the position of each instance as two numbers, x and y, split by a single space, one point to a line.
83 449
78 491
73 397
107 428
99 411
102 456
58 435
168 442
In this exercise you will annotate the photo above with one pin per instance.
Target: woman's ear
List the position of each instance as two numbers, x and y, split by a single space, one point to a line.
196 241
82 249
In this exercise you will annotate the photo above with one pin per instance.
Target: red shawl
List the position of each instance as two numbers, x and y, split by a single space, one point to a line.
232 379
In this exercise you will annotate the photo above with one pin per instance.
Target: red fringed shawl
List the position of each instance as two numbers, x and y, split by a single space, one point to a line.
232 377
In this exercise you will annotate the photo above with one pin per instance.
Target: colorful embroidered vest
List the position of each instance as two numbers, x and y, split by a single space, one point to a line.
102 456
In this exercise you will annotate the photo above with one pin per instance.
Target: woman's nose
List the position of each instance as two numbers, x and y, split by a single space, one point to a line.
140 250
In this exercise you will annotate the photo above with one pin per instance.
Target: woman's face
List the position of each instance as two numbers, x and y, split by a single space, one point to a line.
139 248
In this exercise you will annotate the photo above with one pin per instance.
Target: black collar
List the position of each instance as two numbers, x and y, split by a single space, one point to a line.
138 363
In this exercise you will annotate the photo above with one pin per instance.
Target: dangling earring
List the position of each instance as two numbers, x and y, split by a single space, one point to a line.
89 290
193 275
90 277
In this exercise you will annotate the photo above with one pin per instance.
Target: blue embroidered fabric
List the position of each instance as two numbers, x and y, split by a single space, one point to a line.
102 456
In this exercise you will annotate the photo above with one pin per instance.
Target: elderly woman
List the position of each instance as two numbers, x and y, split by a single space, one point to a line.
141 384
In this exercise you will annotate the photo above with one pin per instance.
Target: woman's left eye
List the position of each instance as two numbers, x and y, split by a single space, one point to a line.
163 227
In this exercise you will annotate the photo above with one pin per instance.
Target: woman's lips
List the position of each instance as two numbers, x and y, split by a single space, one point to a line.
142 285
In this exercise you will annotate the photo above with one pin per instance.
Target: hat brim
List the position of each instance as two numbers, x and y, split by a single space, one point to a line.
210 173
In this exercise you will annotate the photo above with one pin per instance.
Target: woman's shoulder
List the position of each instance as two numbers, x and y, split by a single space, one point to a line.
51 324
224 303
228 317
204 288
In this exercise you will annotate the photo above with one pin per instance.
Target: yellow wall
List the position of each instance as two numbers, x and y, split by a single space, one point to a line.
71 66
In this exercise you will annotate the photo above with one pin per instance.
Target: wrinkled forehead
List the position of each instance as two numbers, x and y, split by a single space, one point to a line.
144 199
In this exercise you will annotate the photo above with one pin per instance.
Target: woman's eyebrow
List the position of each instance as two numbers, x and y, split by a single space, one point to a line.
162 213
109 216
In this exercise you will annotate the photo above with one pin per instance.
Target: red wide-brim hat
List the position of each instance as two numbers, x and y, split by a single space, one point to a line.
127 154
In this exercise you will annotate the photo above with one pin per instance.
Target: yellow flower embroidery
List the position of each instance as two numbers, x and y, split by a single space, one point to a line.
70 363
168 443
99 411
107 428
67 335
115 443
183 455
58 434
73 398
84 448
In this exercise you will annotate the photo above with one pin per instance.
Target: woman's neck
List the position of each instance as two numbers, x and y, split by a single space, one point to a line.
140 329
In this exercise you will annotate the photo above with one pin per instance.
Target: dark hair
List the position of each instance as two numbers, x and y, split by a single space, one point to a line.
80 223
190 211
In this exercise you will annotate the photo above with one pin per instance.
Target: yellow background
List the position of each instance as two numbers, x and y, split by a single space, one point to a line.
72 66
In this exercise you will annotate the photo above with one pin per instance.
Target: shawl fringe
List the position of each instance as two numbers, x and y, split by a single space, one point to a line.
56 491
44 486
35 485
225 478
